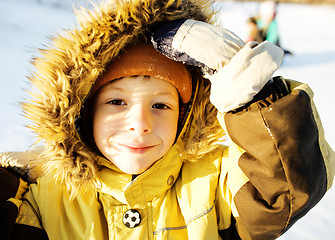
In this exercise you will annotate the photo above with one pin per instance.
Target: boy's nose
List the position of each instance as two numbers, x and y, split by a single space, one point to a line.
140 121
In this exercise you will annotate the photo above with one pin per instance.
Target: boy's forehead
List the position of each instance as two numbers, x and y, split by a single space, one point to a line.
154 85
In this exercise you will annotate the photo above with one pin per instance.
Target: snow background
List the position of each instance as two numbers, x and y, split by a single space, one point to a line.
306 30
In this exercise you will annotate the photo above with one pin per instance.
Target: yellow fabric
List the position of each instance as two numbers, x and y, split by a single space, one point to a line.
17 202
21 190
168 212
81 218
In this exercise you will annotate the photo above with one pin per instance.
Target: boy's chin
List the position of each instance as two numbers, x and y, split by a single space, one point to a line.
135 169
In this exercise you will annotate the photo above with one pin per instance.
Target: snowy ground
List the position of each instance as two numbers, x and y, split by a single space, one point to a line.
307 31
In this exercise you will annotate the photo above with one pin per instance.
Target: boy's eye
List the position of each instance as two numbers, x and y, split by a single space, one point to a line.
160 106
116 102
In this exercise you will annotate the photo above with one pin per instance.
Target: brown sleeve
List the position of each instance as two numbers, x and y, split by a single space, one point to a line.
10 182
9 185
282 160
26 232
9 189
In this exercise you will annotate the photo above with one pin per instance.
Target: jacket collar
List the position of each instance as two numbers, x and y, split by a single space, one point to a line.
145 187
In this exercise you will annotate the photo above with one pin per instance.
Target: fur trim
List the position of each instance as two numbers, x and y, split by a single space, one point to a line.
204 133
65 72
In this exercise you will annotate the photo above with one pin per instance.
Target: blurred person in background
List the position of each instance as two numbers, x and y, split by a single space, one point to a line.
264 27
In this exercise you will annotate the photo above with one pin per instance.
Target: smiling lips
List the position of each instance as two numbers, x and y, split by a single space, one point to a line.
136 149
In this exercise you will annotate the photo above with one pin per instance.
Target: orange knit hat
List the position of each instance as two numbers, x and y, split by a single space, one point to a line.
143 59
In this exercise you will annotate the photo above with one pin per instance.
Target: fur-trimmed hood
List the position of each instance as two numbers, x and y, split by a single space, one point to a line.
67 69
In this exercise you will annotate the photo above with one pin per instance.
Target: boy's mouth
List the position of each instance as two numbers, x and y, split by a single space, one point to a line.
136 148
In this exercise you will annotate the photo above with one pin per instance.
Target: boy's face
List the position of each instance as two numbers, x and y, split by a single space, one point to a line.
135 121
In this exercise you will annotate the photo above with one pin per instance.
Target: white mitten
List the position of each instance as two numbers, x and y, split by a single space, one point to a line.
235 78
211 45
23 163
249 70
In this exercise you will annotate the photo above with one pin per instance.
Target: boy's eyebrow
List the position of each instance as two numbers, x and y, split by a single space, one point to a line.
163 93
119 88
157 93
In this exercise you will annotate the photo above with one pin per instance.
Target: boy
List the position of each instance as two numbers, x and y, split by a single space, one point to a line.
132 107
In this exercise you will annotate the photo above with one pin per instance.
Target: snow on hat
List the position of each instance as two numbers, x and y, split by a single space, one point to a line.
143 59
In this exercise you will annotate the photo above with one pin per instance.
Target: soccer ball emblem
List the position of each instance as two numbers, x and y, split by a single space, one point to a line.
131 218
